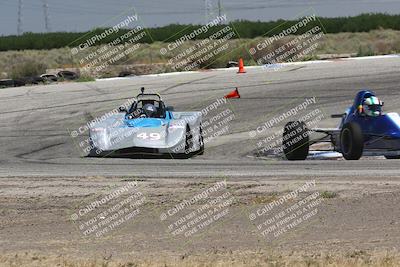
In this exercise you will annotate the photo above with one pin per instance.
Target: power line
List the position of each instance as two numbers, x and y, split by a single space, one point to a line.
19 24
212 7
209 15
46 15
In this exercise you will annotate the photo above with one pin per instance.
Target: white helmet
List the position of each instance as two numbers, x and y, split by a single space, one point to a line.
372 106
150 110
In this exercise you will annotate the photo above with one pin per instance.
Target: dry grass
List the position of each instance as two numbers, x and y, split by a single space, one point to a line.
376 42
239 259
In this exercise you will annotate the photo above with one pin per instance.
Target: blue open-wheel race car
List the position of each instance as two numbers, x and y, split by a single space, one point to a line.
364 130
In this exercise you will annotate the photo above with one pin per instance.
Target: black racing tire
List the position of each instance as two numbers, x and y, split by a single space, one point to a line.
201 141
392 157
188 141
351 141
296 140
68 75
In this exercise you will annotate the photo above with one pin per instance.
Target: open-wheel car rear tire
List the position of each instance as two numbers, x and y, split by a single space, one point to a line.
296 140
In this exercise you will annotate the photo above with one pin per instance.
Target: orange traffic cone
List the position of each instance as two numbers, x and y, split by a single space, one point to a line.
233 94
241 66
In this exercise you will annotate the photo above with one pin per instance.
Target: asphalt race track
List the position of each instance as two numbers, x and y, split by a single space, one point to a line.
36 122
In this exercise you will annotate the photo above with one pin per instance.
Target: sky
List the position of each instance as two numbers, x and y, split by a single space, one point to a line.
83 15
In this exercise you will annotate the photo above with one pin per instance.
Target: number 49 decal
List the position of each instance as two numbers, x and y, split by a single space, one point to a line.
150 136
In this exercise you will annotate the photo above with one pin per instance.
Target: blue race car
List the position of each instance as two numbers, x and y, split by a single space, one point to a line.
364 130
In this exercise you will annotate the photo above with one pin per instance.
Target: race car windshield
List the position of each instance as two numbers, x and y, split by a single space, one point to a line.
158 112
142 103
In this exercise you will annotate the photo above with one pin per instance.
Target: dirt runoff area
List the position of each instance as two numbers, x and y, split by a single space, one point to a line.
127 221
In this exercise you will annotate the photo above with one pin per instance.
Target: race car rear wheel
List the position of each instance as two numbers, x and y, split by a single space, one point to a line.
188 141
201 141
295 140
351 141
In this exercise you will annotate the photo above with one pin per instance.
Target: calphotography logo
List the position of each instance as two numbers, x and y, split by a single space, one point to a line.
198 48
115 29
90 136
285 131
102 50
192 35
291 112
109 212
201 211
287 212
295 42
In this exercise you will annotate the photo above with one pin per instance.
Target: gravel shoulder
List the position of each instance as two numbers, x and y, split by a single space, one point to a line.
353 215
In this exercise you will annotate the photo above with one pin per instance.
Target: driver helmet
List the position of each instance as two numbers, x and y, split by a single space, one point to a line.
150 110
372 106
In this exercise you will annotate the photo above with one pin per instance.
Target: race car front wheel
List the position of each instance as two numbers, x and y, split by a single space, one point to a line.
295 140
351 141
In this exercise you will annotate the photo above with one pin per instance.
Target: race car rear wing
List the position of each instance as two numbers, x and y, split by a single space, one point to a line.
338 116
326 130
